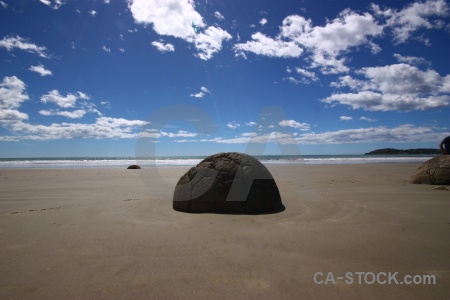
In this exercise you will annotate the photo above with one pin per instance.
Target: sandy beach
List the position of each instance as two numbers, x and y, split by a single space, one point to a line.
112 234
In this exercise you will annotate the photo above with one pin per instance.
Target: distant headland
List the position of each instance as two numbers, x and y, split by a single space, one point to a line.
404 151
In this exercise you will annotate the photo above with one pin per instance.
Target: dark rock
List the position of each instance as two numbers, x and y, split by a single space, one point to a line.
434 171
232 183
133 167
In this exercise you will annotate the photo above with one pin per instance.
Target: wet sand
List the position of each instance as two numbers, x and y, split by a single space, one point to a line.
112 234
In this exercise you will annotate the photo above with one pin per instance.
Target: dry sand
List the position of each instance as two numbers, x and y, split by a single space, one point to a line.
112 234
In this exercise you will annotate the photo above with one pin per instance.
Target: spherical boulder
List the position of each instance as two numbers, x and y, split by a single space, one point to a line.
433 171
134 167
229 183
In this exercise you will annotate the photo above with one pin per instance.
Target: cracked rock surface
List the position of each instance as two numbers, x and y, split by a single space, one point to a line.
433 171
233 183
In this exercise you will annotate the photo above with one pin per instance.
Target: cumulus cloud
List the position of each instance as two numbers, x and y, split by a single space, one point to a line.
406 133
367 119
163 47
413 17
176 18
325 44
210 41
180 133
306 77
278 137
76 114
41 70
372 101
202 93
308 74
345 118
63 101
55 4
171 17
263 21
394 87
411 60
12 94
233 125
106 49
295 124
103 128
17 42
11 115
251 124
266 46
219 16
92 13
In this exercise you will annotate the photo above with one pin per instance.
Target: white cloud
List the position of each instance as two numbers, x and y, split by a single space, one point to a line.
55 4
278 137
4 5
413 17
82 95
345 118
412 60
76 114
106 49
336 38
62 101
394 87
202 93
306 76
11 115
219 16
122 50
326 45
106 104
163 47
168 17
233 125
266 46
305 73
12 93
180 133
11 42
295 124
406 133
210 41
263 21
296 81
367 119
177 18
372 101
251 124
103 128
41 70
106 1
92 13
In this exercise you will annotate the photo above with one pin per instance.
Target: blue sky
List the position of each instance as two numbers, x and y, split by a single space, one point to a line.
104 78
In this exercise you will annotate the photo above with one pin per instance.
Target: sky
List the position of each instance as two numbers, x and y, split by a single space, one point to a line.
184 77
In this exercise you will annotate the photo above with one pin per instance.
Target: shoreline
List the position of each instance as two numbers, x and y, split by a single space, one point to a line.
112 233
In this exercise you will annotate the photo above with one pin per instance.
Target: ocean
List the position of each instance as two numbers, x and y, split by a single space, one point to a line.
113 162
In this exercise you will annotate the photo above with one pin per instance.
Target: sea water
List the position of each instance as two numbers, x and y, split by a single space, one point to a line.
102 162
